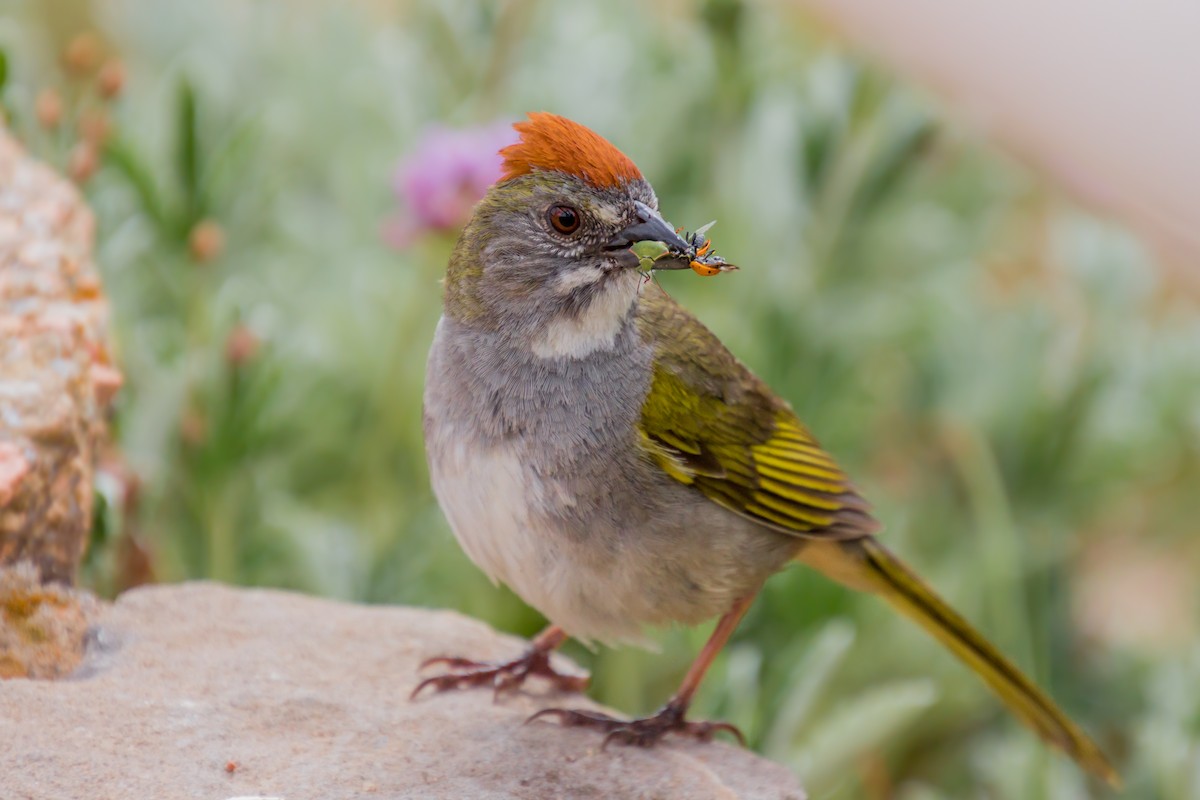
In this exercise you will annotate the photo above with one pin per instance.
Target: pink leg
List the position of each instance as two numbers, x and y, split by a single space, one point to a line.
670 718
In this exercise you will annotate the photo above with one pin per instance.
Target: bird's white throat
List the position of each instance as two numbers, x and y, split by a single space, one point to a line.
596 327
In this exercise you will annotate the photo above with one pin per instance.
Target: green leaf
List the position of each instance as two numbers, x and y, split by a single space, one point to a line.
120 154
819 144
809 677
897 158
3 69
101 518
228 159
742 687
187 154
859 726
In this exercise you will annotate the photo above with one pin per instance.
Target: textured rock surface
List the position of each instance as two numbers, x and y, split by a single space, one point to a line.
210 692
42 627
56 379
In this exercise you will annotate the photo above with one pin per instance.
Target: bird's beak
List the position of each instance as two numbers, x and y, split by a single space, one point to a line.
650 226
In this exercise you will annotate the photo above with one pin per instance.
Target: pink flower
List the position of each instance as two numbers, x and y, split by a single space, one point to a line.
440 181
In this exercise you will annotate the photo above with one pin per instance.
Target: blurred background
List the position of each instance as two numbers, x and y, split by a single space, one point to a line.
1013 379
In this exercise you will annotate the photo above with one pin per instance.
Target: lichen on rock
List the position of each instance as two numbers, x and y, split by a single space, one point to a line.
43 627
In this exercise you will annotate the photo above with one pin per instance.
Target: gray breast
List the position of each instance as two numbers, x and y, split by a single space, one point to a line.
577 520
567 413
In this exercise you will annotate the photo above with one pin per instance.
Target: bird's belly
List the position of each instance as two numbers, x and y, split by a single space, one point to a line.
485 494
496 506
598 580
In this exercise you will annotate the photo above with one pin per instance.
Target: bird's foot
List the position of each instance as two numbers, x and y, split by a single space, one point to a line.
503 677
641 732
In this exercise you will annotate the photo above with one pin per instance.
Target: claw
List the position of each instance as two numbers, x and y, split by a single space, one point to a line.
706 731
453 662
572 718
645 732
441 682
503 677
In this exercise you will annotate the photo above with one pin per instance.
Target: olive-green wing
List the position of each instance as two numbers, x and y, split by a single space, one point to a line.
710 423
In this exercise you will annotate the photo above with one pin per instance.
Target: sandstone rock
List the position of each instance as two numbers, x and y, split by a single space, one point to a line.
42 627
56 379
210 692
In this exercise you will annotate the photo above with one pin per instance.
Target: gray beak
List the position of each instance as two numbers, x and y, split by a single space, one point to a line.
649 227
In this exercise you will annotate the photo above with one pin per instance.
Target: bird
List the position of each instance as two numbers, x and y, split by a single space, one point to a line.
598 450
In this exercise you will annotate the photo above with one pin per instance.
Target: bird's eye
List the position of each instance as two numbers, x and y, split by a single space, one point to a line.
564 219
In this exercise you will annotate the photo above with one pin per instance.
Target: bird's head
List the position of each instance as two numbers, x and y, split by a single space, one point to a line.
546 253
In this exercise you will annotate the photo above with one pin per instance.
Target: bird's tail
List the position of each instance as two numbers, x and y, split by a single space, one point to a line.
867 565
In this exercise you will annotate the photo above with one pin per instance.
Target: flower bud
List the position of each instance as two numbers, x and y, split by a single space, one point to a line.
241 346
48 108
111 79
81 54
206 241
83 162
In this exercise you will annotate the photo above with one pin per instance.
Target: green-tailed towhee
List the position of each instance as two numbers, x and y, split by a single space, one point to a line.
598 450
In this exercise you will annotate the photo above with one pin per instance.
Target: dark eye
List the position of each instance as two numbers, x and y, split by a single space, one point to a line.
564 219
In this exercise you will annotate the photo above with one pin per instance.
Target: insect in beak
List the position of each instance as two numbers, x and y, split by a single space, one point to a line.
696 254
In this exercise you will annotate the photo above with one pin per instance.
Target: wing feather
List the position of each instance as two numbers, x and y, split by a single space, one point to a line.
710 423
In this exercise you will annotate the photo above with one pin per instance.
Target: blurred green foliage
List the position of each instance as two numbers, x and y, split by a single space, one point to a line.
1013 382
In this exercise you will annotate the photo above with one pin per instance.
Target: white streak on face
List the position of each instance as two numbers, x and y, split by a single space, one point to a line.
580 276
597 326
607 214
